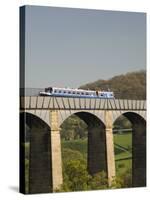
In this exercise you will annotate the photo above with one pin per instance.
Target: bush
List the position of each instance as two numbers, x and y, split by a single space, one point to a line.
124 180
98 181
76 176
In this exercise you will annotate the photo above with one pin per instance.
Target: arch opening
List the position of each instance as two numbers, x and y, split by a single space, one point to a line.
36 150
122 133
135 148
83 146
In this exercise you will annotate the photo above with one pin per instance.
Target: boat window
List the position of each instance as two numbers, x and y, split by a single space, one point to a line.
50 90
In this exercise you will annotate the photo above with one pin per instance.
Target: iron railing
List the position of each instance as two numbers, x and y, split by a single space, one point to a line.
118 95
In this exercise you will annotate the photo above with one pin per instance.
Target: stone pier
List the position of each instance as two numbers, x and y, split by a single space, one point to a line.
111 172
96 149
139 155
40 176
57 179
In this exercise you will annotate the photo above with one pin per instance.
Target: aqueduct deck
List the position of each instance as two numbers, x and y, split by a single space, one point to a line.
45 116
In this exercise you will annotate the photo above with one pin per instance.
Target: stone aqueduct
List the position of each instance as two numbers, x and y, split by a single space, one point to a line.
44 116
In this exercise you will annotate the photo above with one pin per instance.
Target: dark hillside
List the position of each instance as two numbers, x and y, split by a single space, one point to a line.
128 86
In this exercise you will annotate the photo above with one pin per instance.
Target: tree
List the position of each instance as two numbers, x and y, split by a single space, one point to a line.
73 128
77 177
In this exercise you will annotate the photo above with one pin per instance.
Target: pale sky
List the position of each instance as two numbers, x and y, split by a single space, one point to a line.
71 47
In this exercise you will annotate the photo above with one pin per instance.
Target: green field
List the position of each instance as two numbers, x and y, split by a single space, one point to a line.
76 145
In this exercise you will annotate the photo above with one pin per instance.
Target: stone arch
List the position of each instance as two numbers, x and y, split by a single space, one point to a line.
96 160
41 114
63 115
138 148
40 176
117 114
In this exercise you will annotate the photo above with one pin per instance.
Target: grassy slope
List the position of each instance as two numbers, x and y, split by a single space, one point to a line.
125 141
77 145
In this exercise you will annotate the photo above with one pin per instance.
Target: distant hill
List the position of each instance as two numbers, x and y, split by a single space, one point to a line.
127 86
